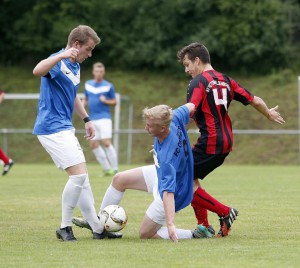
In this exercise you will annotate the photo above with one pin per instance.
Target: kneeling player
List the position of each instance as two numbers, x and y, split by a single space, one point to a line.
170 180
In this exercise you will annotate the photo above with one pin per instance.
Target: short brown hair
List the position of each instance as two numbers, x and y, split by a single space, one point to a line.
98 65
161 114
194 50
82 34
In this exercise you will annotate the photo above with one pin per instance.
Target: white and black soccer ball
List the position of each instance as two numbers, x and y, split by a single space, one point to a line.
114 218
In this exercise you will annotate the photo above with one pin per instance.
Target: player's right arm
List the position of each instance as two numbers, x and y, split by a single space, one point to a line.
169 206
44 66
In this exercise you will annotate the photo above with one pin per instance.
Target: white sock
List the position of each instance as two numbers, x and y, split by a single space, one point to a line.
181 234
70 197
112 197
86 205
112 156
101 158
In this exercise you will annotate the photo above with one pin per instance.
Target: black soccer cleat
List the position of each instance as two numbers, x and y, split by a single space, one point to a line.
7 167
108 235
226 222
82 223
66 234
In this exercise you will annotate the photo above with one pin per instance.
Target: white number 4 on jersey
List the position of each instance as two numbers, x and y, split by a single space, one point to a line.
222 101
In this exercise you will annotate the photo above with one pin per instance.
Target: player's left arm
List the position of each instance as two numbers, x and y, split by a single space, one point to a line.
169 206
89 127
272 114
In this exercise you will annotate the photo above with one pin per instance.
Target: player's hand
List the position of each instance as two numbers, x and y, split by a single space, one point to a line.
172 233
90 130
102 98
275 116
70 53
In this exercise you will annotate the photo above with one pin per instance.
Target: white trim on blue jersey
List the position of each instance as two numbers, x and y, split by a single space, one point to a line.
67 72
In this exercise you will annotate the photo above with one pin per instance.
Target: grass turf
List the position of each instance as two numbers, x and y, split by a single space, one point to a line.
266 234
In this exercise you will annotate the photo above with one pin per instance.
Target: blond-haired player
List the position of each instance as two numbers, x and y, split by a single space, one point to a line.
169 180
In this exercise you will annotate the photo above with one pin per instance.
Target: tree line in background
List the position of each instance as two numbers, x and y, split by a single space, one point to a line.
245 36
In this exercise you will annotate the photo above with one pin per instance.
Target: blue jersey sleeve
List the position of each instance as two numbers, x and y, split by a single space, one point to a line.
182 115
168 178
112 94
55 70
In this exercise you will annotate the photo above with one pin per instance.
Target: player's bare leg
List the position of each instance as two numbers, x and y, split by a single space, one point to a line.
149 228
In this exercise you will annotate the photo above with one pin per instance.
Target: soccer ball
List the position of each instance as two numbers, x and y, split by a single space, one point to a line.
114 218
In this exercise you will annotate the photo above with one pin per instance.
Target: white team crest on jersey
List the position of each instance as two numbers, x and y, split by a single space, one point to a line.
67 72
96 90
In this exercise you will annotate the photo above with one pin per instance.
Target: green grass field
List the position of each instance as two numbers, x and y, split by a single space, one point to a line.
266 234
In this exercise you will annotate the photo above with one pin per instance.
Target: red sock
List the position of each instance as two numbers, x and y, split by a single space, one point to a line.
3 157
206 201
201 215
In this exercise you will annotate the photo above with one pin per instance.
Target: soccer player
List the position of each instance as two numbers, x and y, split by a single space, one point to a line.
170 180
60 78
212 92
100 95
8 163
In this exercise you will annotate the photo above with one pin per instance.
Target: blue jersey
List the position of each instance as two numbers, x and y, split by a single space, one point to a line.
174 161
57 96
93 90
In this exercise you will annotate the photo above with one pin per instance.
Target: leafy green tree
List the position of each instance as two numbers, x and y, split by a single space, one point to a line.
248 36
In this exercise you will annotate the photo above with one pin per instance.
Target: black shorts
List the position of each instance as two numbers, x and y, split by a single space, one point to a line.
206 163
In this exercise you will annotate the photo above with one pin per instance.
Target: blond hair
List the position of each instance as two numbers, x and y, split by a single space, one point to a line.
161 114
82 34
98 65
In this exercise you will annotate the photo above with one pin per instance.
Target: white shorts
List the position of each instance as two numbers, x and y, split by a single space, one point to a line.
63 148
155 211
103 129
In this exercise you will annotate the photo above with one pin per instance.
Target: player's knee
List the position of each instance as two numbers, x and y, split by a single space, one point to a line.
105 143
144 234
118 181
94 144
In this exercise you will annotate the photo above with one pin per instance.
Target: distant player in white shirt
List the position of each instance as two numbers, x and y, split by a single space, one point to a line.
100 95
60 78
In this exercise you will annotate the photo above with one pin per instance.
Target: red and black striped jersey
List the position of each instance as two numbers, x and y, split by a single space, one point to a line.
212 93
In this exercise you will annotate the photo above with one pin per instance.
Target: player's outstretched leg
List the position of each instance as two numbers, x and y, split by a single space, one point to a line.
227 221
82 223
